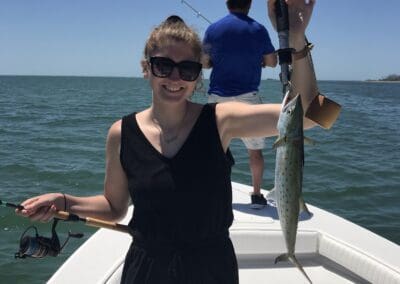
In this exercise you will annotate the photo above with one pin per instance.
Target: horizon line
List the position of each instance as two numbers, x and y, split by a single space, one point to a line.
135 77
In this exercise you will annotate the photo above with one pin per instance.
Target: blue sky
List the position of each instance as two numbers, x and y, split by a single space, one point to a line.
354 39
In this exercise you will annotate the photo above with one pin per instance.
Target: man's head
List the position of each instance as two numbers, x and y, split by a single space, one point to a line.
238 5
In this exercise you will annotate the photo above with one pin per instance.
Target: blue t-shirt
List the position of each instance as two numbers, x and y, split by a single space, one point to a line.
236 45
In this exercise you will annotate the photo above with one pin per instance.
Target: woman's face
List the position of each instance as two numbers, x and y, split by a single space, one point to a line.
172 88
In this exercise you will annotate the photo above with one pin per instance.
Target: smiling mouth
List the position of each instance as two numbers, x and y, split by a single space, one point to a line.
173 89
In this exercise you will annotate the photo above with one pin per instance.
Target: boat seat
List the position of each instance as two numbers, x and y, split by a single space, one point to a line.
263 243
267 244
364 265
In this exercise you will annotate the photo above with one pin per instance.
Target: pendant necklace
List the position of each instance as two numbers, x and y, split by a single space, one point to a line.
169 140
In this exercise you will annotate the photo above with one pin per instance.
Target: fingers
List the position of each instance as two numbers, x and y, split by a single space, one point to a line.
297 9
26 204
40 208
34 204
44 214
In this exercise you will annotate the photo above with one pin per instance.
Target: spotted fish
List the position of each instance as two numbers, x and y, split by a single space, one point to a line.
289 174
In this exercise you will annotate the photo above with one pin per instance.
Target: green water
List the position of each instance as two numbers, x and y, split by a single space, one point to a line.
53 130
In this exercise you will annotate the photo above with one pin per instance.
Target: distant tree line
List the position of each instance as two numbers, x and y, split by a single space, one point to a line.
391 77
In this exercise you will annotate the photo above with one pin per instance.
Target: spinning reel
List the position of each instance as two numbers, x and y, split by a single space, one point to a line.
38 246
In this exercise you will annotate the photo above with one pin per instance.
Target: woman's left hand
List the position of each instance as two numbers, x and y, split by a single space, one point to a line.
299 15
42 208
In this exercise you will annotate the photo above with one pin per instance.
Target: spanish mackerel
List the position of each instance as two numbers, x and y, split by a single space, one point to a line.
289 174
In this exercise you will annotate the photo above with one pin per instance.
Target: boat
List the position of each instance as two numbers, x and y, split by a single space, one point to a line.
330 248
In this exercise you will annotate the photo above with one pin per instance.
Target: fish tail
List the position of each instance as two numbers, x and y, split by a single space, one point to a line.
282 257
294 260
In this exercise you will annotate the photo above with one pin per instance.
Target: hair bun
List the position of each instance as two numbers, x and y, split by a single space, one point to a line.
174 19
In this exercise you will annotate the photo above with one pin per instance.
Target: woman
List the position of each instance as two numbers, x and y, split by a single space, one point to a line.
172 159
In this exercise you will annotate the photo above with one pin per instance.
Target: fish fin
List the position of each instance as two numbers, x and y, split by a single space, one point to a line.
279 142
271 194
296 263
309 141
282 257
303 206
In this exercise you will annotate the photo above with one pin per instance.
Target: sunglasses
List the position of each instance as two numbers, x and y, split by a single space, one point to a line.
162 67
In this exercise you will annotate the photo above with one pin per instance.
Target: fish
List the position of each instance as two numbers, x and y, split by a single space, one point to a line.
289 174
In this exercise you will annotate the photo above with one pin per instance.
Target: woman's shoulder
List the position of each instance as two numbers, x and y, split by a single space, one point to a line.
115 130
199 110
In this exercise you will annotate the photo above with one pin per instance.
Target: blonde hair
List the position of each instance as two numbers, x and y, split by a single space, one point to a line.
172 29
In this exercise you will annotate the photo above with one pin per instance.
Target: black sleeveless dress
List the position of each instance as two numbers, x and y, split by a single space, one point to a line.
182 207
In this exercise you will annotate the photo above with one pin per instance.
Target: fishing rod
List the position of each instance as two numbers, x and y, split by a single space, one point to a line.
321 110
38 246
284 52
66 216
195 11
11 205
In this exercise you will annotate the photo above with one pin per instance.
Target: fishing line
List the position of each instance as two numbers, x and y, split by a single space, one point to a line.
197 12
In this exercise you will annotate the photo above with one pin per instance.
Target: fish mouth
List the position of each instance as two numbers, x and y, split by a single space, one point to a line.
288 101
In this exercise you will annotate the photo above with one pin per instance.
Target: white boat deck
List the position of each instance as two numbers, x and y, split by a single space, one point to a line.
331 250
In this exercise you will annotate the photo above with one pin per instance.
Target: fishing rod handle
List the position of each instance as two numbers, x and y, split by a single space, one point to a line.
93 222
108 225
282 15
66 216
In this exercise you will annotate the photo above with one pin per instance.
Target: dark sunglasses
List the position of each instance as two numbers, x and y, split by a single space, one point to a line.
162 67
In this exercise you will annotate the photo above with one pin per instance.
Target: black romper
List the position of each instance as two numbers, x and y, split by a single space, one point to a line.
182 207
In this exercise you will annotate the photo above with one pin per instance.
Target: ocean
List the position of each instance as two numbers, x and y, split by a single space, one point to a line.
53 131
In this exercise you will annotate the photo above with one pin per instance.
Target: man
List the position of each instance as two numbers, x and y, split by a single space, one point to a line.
237 48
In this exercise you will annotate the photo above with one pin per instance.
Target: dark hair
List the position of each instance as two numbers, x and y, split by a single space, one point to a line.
238 4
174 19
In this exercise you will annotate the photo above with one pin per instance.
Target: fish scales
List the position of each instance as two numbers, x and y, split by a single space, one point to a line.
289 174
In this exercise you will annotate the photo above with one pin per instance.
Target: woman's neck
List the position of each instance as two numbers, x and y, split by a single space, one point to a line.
167 116
169 123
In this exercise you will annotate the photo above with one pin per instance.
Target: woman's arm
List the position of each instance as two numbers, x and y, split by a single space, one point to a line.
243 120
111 206
303 77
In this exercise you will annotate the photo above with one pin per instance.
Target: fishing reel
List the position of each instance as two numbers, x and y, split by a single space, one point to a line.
38 246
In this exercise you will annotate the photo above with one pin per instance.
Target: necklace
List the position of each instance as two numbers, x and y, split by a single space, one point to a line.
173 138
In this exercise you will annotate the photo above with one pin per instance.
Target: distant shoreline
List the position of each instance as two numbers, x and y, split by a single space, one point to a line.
393 78
140 77
381 81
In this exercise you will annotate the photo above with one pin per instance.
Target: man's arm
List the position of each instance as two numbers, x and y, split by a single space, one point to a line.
206 61
270 60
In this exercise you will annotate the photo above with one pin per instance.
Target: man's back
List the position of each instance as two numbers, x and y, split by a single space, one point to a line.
236 45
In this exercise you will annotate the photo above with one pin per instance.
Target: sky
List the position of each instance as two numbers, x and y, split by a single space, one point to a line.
354 39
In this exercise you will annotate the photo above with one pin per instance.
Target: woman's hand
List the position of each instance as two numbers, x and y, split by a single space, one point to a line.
43 207
299 16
